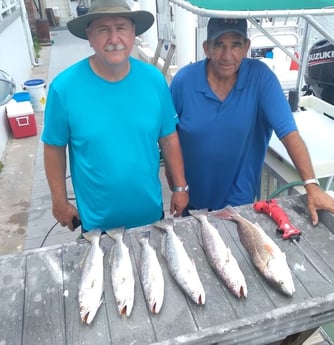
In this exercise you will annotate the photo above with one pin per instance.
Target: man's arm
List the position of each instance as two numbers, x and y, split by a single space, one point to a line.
317 199
171 151
55 169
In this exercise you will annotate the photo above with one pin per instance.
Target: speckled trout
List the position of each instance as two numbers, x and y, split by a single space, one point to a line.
181 267
151 275
220 256
122 277
91 284
266 256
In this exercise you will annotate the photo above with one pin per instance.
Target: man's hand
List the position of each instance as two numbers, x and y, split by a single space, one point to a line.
317 199
178 203
65 213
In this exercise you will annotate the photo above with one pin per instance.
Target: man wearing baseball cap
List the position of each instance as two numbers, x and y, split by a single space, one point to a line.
110 110
228 106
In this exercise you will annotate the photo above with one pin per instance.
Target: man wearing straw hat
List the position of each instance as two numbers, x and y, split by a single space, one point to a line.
110 110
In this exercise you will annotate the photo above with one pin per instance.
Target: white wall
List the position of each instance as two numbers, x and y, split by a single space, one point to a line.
150 36
16 61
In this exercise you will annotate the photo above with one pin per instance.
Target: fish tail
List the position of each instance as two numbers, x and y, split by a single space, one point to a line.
116 232
226 213
142 237
164 224
92 234
199 214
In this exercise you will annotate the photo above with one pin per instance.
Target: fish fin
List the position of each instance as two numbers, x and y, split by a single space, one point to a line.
163 245
228 254
258 226
268 243
82 262
194 263
115 232
227 213
269 248
200 240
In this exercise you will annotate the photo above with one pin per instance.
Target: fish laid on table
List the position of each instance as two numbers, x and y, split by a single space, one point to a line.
122 276
91 285
220 256
151 274
181 267
263 251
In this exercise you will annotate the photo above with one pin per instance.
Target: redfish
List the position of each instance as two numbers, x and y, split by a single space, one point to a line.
263 251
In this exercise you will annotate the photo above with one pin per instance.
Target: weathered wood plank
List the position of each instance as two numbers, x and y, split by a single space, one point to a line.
262 328
97 332
12 277
44 315
175 316
136 328
39 290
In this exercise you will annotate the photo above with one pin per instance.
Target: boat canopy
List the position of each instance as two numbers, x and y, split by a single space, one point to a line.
258 11
251 8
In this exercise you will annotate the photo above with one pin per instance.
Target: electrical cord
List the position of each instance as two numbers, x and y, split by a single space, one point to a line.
76 221
48 233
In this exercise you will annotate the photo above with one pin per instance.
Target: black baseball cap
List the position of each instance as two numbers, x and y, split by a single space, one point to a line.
219 26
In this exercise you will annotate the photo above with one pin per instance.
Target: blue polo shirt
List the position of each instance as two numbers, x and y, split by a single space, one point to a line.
224 142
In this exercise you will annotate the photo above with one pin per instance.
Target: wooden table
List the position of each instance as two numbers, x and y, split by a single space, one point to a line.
39 288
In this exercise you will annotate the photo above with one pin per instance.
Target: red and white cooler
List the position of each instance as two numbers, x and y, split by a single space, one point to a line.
21 119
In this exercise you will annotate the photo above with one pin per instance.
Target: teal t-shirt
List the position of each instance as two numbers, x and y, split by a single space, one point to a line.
112 131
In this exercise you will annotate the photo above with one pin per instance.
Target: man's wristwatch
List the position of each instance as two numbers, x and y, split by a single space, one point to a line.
181 189
311 181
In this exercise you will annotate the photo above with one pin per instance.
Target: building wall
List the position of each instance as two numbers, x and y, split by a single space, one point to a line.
15 59
61 9
32 14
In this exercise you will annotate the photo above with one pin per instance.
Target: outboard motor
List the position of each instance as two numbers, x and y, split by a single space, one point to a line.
319 73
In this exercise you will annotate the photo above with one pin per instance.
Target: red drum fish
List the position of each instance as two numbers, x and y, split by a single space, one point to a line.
266 256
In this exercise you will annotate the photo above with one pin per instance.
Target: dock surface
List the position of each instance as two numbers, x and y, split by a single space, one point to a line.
39 291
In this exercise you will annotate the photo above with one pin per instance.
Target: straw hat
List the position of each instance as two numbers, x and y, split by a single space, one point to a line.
101 8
